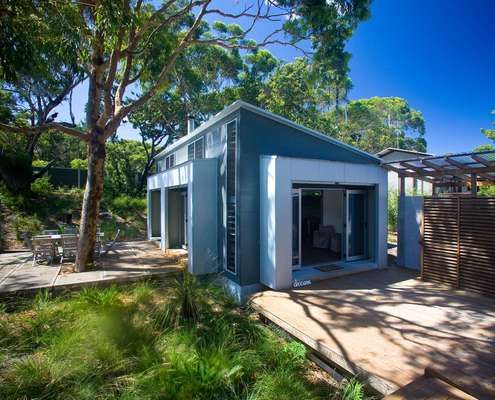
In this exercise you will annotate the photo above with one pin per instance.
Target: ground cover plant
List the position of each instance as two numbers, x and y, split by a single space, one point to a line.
151 341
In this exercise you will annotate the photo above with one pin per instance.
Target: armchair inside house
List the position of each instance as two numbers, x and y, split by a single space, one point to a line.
327 238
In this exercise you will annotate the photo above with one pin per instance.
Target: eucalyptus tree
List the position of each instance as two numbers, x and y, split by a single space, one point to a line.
379 122
116 40
38 70
490 133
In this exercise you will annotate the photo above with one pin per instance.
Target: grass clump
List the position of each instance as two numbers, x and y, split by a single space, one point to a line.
184 340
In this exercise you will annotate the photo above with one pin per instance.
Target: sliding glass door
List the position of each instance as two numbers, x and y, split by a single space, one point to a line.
356 225
296 228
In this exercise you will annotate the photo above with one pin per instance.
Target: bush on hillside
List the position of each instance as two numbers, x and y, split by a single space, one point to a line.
128 207
78 163
42 186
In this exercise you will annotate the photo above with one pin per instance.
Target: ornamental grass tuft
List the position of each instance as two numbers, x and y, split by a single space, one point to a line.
149 340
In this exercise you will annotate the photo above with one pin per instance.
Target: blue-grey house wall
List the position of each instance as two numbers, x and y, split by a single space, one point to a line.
215 147
259 135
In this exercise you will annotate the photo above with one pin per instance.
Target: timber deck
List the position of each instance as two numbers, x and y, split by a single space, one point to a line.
387 326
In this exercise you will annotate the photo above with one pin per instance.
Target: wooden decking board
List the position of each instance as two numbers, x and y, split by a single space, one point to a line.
426 388
389 326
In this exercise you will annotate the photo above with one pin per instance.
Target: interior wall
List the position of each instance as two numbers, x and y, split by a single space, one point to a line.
155 213
332 203
175 227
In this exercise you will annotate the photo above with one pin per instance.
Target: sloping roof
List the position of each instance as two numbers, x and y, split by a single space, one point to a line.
447 168
389 150
242 104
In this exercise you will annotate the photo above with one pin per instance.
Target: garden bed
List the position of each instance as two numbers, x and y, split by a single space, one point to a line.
151 340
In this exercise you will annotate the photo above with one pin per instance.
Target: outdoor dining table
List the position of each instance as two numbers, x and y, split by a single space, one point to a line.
59 236
56 241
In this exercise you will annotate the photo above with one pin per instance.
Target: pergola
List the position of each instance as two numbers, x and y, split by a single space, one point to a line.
450 170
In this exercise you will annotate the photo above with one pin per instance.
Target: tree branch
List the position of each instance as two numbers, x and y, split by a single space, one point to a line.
60 126
162 77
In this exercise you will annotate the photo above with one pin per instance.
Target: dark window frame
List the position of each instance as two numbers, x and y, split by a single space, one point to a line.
231 198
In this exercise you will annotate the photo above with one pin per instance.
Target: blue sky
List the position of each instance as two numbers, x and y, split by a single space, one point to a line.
437 54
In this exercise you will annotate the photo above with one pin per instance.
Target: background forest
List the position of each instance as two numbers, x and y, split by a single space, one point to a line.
167 81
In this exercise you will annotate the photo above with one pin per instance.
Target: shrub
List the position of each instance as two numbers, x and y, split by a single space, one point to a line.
128 207
487 190
25 224
42 186
393 210
40 163
78 163
350 390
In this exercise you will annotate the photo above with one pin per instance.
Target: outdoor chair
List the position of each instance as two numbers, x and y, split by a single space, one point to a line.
109 246
98 245
50 232
69 247
43 250
70 230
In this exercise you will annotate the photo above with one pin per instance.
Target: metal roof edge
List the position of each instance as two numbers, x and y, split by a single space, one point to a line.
238 104
389 150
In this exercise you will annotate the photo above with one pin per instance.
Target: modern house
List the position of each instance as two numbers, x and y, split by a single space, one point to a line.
267 201
412 185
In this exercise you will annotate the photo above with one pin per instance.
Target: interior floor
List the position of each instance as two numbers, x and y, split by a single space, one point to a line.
315 256
346 268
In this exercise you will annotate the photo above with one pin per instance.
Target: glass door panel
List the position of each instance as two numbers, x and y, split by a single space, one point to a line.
296 228
356 224
184 219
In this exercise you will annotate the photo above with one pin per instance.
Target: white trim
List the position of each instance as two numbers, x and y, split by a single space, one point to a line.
348 223
241 104
277 175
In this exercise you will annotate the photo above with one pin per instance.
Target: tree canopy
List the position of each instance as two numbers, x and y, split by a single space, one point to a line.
490 133
131 51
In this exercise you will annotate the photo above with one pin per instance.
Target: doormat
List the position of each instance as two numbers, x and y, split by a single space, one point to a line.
328 268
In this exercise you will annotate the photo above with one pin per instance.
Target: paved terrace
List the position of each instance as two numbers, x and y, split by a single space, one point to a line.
388 326
126 261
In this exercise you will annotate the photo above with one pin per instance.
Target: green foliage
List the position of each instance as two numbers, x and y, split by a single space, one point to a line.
350 390
124 164
484 147
487 190
106 343
128 207
380 122
42 186
78 163
25 224
290 93
392 210
490 133
39 163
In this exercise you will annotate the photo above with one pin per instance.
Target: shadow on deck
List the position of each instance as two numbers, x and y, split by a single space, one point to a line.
387 326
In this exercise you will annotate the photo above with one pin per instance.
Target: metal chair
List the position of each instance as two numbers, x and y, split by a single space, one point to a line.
43 250
109 246
50 232
98 245
70 230
69 247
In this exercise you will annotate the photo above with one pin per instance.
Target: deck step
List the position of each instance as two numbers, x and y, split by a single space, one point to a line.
428 388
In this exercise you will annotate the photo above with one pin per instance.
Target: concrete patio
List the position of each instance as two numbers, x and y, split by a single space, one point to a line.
388 326
125 262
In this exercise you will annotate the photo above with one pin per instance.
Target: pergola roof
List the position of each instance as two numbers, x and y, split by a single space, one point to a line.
449 168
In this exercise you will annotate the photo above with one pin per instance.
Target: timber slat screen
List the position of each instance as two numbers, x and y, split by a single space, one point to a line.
459 242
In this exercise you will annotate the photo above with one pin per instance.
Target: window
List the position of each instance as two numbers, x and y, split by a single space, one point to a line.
196 149
231 230
190 151
170 161
199 148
